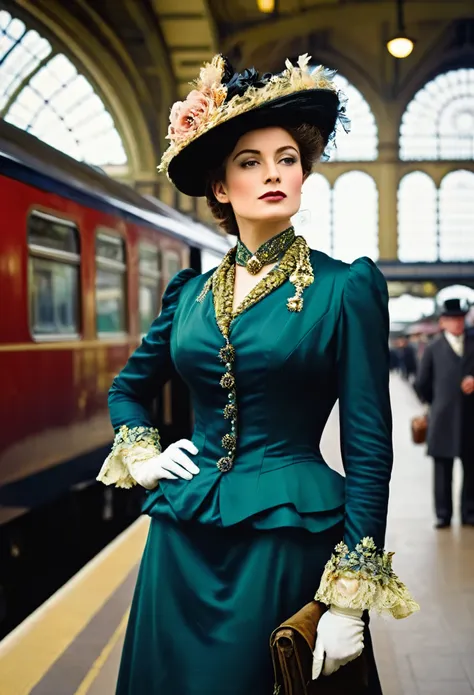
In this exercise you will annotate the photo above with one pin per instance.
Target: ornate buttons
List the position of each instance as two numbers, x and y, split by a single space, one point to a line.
295 265
229 440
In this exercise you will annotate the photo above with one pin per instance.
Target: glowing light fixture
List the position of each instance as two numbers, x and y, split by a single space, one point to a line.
400 45
266 6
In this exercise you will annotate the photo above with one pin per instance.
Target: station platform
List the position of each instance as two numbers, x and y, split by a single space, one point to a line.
72 644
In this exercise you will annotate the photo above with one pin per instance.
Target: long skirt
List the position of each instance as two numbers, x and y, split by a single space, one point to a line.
206 601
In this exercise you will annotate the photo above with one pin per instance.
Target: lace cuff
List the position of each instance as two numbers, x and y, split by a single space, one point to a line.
364 579
131 447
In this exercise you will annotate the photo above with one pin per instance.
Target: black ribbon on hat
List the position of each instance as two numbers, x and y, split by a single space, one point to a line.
237 83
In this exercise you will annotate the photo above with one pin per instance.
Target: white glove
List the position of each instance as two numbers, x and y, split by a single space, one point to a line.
172 463
340 637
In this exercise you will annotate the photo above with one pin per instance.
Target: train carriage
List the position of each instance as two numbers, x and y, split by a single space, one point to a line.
84 261
83 264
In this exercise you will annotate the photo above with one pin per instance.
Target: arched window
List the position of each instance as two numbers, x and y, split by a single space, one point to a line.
362 142
314 220
456 215
439 122
417 218
355 216
343 221
42 92
436 225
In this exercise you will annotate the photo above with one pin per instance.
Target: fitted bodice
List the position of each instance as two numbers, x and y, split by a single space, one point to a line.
284 374
290 368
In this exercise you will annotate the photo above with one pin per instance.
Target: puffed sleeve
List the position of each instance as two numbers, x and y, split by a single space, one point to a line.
364 402
359 574
133 390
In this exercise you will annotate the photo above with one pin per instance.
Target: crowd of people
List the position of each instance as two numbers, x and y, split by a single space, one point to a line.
441 369
405 354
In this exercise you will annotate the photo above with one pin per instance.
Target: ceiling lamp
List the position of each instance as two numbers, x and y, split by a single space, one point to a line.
266 6
400 45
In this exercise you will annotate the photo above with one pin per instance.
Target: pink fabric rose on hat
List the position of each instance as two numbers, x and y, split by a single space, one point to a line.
186 116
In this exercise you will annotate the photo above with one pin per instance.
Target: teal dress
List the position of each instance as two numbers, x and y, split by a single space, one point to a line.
230 555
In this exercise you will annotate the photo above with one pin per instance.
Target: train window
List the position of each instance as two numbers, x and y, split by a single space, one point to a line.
111 277
54 259
149 292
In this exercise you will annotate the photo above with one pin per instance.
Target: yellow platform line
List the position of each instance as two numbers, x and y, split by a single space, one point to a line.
78 344
88 681
29 651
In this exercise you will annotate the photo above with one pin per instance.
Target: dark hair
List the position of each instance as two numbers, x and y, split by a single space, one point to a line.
311 146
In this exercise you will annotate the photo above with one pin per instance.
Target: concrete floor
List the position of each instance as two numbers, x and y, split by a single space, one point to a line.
432 652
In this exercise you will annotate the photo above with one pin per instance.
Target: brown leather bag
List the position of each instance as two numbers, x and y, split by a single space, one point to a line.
419 429
292 645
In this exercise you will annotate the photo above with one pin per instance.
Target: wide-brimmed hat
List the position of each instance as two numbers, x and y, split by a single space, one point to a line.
453 307
224 105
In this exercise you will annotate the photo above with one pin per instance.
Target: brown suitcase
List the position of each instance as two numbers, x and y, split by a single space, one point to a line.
419 429
292 645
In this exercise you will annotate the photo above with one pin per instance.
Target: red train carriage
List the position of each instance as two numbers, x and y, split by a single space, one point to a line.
83 264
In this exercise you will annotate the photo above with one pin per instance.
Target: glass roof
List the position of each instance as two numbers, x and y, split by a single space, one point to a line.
439 121
42 92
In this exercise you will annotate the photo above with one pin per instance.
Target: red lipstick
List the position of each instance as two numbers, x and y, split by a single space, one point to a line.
273 196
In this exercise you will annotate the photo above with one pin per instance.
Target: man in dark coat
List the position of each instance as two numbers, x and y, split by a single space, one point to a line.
445 380
409 360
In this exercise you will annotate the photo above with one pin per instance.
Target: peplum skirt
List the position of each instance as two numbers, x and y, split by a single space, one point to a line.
206 601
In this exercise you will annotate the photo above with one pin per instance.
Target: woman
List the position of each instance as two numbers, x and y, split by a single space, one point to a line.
246 516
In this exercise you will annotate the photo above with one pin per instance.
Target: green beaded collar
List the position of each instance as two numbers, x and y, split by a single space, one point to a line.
269 252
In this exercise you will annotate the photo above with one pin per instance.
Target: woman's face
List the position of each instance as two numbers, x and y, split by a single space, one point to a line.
264 162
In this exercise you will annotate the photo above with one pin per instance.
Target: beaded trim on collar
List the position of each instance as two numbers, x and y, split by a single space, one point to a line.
267 253
295 266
